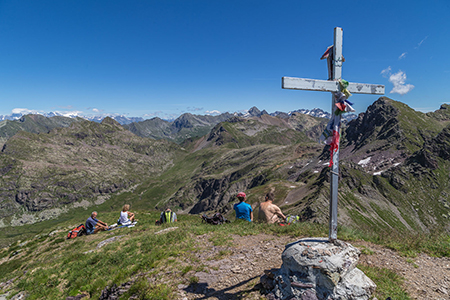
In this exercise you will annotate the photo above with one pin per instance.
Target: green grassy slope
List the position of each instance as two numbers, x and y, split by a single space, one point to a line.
47 266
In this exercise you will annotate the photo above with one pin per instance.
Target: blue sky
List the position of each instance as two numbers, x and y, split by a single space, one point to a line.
164 58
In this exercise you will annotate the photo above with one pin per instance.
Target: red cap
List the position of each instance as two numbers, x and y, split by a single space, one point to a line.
241 195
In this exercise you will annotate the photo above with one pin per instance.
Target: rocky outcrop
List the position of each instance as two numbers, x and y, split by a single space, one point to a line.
438 147
442 114
315 269
386 134
378 122
219 136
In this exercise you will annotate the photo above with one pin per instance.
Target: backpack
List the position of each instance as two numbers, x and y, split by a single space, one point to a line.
216 219
292 219
167 216
77 231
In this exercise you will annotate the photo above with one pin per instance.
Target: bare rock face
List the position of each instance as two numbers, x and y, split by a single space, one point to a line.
316 269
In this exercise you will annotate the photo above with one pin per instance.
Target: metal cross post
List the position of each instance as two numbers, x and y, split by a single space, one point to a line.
332 85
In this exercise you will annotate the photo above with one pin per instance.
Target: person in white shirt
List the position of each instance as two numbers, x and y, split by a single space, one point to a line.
126 217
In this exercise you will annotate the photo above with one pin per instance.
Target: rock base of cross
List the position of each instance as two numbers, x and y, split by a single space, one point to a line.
316 269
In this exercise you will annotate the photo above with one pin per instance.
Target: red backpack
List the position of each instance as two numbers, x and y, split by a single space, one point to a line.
77 231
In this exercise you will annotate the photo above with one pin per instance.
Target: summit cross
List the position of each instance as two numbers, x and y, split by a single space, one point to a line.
335 60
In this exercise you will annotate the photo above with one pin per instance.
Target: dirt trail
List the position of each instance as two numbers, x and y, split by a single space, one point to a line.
233 272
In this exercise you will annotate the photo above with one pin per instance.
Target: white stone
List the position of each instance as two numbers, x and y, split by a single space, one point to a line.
325 269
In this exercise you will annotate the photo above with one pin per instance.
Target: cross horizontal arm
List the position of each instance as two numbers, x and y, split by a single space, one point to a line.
330 86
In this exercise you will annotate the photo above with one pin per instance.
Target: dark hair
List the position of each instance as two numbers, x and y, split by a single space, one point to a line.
270 196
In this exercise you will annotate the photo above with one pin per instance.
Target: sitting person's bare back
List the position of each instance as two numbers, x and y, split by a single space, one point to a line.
269 212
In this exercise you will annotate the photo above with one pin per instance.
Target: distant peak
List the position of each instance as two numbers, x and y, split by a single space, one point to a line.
445 106
110 121
255 112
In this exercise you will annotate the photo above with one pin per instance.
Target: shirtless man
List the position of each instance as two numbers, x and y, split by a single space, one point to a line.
269 212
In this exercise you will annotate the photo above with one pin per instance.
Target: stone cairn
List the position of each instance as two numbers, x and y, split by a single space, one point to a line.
316 269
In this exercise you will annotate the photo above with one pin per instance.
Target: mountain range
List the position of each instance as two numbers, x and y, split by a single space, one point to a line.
184 127
123 120
96 118
394 165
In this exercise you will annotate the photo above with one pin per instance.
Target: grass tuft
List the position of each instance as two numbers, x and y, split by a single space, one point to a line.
389 284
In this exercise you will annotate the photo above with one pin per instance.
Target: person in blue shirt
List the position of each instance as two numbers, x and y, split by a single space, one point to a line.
243 210
93 225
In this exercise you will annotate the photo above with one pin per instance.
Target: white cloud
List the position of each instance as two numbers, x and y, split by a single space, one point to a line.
386 72
23 111
95 110
212 112
403 55
398 80
421 42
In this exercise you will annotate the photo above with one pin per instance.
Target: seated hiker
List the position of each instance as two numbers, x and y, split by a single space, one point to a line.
126 217
93 225
167 216
269 212
243 210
